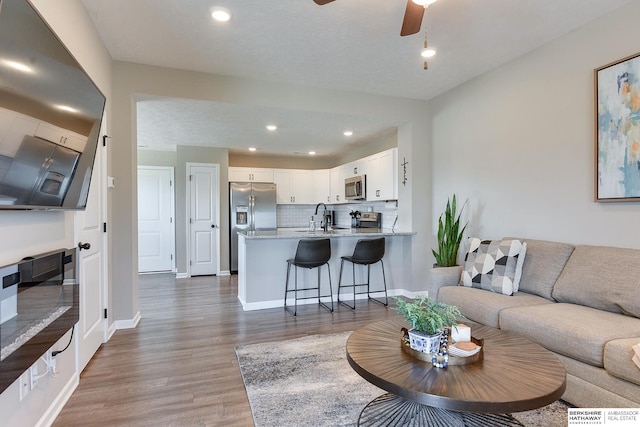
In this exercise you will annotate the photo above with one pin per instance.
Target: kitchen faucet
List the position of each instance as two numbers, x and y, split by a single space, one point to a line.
324 215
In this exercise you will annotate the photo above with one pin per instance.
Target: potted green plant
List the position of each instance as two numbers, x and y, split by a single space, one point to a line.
449 235
427 319
446 271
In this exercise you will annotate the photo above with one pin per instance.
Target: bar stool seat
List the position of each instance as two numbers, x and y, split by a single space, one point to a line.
366 252
311 253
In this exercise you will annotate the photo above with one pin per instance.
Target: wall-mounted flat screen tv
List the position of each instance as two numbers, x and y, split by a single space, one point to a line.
50 116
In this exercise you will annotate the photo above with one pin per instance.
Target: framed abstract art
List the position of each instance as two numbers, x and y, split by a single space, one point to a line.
617 133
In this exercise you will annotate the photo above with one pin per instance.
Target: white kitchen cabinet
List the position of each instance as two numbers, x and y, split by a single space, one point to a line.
357 168
242 174
61 136
336 186
382 176
293 186
321 185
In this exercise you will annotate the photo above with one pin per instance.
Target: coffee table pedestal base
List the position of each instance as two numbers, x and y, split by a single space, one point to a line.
392 410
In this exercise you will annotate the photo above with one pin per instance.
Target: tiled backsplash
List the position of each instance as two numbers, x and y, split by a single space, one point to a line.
299 215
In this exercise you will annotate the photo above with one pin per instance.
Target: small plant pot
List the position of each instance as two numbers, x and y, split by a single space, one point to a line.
424 343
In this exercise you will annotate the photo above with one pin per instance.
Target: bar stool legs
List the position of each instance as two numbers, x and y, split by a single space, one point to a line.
311 253
367 252
295 290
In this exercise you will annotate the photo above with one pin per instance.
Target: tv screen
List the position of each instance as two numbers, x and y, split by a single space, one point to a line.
50 116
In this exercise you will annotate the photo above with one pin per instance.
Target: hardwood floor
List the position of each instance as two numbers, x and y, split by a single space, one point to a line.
178 367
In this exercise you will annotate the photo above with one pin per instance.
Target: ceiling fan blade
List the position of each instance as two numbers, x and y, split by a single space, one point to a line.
321 2
412 18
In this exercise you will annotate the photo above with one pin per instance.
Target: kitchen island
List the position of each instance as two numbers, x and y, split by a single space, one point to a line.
262 263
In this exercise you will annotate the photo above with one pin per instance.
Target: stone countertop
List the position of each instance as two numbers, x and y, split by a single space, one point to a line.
303 233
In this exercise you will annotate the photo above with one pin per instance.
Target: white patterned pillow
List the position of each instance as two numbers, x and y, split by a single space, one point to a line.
492 265
516 280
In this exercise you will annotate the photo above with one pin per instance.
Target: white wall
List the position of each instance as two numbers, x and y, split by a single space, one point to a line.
518 142
27 233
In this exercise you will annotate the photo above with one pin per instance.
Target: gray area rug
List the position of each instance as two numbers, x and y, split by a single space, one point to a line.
308 382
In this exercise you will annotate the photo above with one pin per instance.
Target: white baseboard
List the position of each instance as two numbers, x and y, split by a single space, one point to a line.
129 323
110 331
346 297
224 273
181 275
56 406
412 295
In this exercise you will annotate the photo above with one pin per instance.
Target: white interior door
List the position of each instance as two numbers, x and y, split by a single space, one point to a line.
91 264
155 219
203 218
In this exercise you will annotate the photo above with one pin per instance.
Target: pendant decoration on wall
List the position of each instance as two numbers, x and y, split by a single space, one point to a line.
404 170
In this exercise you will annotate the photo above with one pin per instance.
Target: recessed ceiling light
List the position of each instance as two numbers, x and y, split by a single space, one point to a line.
20 66
252 148
347 133
271 127
424 2
220 14
312 152
428 52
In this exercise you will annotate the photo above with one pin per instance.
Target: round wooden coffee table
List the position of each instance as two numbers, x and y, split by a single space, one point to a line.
516 375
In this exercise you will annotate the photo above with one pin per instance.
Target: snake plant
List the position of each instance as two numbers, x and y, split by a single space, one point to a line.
449 235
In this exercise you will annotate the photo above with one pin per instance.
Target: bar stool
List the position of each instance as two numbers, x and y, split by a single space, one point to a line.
367 252
311 253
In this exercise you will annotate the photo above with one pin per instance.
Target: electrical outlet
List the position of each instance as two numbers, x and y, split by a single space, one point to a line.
24 385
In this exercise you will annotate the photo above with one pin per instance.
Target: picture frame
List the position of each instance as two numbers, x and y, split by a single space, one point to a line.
617 131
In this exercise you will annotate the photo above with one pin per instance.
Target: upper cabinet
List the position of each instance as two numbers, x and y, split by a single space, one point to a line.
61 136
308 187
336 186
359 167
382 176
238 174
321 185
294 186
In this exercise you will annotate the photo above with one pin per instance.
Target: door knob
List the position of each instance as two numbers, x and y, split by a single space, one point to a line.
213 226
82 246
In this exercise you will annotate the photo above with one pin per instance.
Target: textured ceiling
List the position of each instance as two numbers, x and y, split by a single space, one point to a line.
348 44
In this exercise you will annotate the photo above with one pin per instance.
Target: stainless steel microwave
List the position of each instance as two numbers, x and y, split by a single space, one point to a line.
355 188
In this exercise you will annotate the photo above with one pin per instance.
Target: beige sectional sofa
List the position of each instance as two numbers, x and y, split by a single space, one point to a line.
580 302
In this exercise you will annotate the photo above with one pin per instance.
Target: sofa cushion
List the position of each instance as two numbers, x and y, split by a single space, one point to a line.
568 329
491 264
601 277
482 306
542 266
617 359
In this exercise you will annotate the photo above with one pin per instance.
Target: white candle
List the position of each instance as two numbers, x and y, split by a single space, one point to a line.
461 333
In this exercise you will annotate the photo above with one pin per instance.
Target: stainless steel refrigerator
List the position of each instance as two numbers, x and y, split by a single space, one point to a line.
252 208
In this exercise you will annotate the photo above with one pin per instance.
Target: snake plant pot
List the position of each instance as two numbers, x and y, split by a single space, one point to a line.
443 276
424 343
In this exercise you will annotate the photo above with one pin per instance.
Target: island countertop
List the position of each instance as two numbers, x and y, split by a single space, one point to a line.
303 233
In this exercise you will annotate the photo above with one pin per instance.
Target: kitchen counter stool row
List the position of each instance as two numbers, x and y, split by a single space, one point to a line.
315 253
